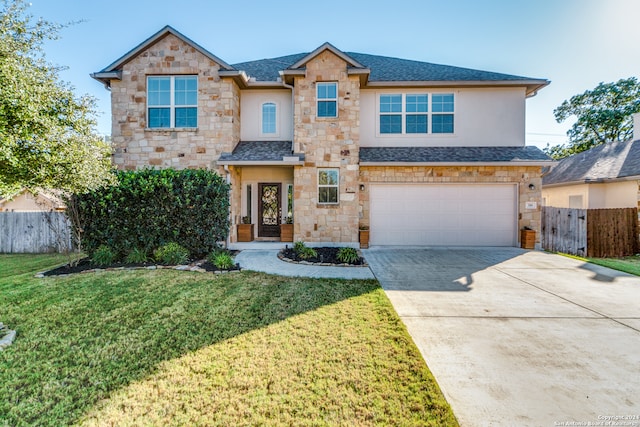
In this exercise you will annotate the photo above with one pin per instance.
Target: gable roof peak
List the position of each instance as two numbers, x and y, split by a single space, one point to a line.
327 46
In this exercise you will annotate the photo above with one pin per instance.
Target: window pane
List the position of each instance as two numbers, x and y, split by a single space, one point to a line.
442 123
186 117
327 90
327 109
269 118
390 123
328 195
390 103
416 123
186 89
328 177
442 103
159 117
417 104
159 90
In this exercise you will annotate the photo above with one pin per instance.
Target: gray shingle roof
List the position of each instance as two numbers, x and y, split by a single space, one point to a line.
614 160
260 151
383 69
452 154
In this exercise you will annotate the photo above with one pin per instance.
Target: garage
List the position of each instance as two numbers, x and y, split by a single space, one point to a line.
443 214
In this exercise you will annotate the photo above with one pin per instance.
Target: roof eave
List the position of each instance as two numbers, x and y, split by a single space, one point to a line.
105 77
593 181
261 162
531 85
470 163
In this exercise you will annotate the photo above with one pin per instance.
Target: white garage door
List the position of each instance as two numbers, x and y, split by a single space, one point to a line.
443 214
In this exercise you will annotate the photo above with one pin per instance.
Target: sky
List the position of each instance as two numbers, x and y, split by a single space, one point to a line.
575 44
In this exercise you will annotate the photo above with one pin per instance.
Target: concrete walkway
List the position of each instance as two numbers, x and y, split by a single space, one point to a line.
267 261
520 338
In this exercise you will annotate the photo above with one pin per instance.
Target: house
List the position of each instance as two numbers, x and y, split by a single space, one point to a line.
604 177
423 154
26 201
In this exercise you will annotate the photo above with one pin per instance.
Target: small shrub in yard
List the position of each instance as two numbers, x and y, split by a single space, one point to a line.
222 260
303 251
171 254
348 255
137 256
103 255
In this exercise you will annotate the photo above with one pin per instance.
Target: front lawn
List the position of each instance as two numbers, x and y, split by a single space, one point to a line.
167 347
629 264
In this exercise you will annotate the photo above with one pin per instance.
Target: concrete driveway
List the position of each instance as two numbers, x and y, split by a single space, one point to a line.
520 338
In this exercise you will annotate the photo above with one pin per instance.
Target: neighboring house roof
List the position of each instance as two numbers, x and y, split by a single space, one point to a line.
439 156
374 70
605 162
262 153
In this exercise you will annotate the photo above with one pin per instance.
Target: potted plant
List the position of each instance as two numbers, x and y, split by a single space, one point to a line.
245 230
364 236
527 238
286 229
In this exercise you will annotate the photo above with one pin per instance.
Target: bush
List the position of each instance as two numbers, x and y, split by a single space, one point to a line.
137 256
103 255
171 254
148 208
348 255
223 261
303 251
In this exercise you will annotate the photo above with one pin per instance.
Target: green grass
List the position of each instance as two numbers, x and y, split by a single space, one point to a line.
181 348
630 264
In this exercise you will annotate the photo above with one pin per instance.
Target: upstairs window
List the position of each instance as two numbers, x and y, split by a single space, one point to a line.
172 101
327 98
409 113
268 118
328 182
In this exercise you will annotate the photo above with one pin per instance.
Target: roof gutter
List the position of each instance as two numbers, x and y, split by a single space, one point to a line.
470 163
594 181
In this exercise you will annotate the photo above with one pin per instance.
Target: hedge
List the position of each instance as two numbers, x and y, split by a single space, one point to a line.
149 208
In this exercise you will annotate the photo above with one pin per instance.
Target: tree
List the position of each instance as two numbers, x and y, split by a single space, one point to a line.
603 115
47 134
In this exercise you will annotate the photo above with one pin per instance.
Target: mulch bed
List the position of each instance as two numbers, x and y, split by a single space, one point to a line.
85 265
325 256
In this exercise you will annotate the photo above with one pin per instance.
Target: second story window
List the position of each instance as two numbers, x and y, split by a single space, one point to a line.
268 118
327 97
409 113
172 101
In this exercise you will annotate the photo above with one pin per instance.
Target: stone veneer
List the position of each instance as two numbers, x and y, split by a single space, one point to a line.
327 143
136 146
521 175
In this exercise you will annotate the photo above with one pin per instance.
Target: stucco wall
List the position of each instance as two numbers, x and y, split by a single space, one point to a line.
136 146
27 202
594 196
251 115
483 117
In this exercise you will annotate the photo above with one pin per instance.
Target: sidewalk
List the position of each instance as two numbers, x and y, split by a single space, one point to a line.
267 261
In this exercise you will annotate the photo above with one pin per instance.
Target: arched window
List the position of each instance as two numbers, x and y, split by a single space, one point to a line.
268 118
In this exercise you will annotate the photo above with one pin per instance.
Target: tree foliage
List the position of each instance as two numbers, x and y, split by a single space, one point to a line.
47 133
603 114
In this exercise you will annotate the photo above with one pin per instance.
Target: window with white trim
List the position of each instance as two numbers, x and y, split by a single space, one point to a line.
327 99
269 118
328 186
172 101
409 113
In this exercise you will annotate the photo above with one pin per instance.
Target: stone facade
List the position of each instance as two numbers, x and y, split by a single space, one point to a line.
136 146
327 143
521 175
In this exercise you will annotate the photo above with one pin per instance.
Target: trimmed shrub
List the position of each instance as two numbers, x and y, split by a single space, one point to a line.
103 255
171 254
148 208
347 255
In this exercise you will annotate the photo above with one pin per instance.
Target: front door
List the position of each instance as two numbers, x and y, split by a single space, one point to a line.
269 210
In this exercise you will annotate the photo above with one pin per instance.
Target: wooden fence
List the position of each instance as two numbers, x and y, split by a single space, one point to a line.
596 233
34 232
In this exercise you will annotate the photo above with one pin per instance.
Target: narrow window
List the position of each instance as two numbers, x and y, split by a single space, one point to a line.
442 109
289 203
172 101
249 201
390 113
268 118
327 97
328 182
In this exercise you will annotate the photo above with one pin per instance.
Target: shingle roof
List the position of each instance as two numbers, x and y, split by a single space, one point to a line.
383 69
260 151
452 154
614 160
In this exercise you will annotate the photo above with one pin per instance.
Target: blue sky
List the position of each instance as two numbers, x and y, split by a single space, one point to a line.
574 43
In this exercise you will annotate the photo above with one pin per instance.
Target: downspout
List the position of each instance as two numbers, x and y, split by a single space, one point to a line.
293 121
228 179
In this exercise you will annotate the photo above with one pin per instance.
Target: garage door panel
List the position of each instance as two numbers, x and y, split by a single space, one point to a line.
443 214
